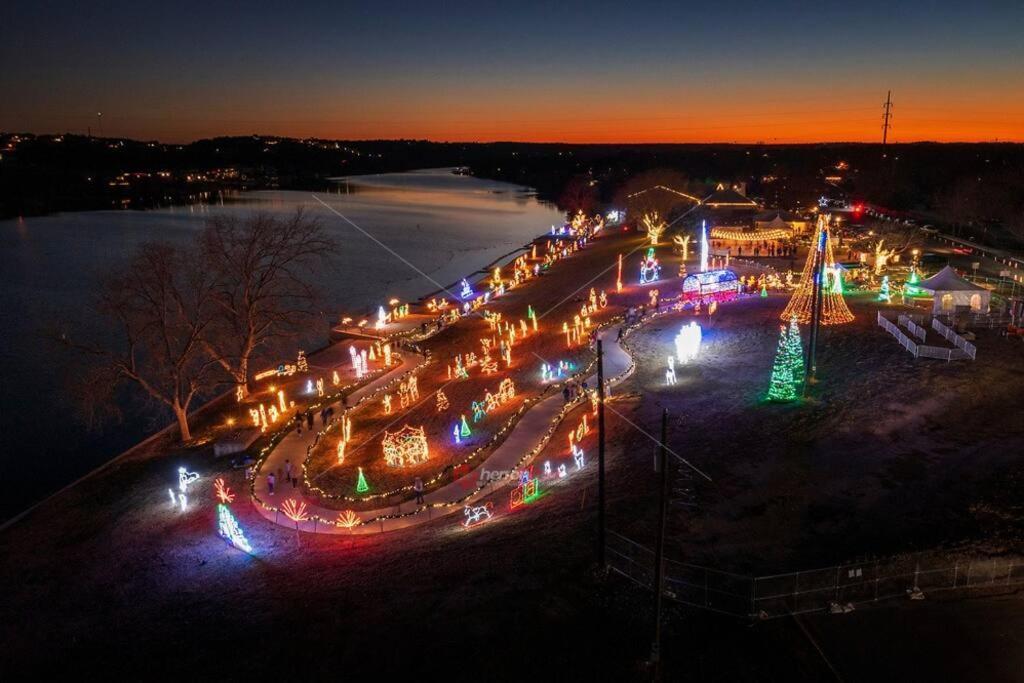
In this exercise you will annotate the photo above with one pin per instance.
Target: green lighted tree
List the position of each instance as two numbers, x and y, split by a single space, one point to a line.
361 485
883 292
795 352
781 386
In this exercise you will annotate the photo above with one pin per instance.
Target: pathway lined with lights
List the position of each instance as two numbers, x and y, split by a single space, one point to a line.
528 436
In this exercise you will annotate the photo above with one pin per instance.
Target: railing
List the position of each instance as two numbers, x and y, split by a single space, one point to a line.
967 347
838 587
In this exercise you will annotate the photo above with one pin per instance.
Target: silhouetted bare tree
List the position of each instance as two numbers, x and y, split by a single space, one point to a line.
161 308
262 294
580 194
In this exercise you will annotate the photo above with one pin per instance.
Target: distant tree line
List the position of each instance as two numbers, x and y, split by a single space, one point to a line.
977 184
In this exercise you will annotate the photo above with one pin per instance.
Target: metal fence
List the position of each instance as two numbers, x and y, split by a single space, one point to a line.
838 588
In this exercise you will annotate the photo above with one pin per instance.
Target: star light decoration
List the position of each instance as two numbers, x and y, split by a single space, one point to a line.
406 447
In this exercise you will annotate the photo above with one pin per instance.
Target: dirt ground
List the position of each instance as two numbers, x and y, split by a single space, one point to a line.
892 454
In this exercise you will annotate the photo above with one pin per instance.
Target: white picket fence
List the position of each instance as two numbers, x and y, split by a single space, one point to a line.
969 349
964 349
914 328
905 341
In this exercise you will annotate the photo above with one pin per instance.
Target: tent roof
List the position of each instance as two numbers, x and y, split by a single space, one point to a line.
946 280
772 214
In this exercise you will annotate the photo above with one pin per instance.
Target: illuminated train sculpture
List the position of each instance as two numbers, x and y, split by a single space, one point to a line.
711 285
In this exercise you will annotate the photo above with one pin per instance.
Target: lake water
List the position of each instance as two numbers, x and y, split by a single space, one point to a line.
443 224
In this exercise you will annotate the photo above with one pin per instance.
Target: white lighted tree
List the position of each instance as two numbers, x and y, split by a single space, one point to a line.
654 225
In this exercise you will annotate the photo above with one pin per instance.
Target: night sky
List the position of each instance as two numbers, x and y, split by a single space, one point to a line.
566 71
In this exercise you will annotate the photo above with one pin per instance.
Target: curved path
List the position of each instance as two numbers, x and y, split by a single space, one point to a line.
527 437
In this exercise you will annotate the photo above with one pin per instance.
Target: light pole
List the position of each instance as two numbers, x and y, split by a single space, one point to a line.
600 458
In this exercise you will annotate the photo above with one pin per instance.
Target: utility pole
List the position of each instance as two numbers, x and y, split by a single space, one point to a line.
816 274
600 459
886 116
659 547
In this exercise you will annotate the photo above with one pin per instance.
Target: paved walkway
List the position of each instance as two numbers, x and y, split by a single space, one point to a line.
525 440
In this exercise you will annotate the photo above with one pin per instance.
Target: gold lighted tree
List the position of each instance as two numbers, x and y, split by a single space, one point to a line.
833 307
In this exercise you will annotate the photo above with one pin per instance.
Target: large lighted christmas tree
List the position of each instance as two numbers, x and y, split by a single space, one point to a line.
795 353
833 307
781 386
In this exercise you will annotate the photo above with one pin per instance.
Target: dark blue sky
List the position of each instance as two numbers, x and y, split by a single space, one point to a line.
525 71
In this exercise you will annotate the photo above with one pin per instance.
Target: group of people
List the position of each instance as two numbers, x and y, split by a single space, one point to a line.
306 418
765 248
573 390
287 473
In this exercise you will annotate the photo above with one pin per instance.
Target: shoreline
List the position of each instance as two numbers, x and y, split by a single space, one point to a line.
171 426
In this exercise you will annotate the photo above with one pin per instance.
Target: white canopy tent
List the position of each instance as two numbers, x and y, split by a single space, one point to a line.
950 290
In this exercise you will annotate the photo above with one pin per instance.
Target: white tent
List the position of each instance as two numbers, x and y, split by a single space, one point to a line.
950 290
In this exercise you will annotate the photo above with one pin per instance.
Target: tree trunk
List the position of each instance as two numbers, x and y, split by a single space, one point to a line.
182 415
243 378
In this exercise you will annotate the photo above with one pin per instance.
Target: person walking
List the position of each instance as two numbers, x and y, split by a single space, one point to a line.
270 483
618 337
565 393
288 469
417 486
309 420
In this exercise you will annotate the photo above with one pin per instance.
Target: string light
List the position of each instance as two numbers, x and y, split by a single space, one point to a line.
407 446
295 511
222 492
834 310
348 519
687 342
703 246
185 478
230 531
650 270
477 515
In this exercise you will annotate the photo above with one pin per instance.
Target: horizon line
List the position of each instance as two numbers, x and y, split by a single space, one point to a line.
760 143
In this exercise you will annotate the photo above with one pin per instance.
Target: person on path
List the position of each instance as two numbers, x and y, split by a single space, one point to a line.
565 392
270 483
288 469
618 337
417 486
309 420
